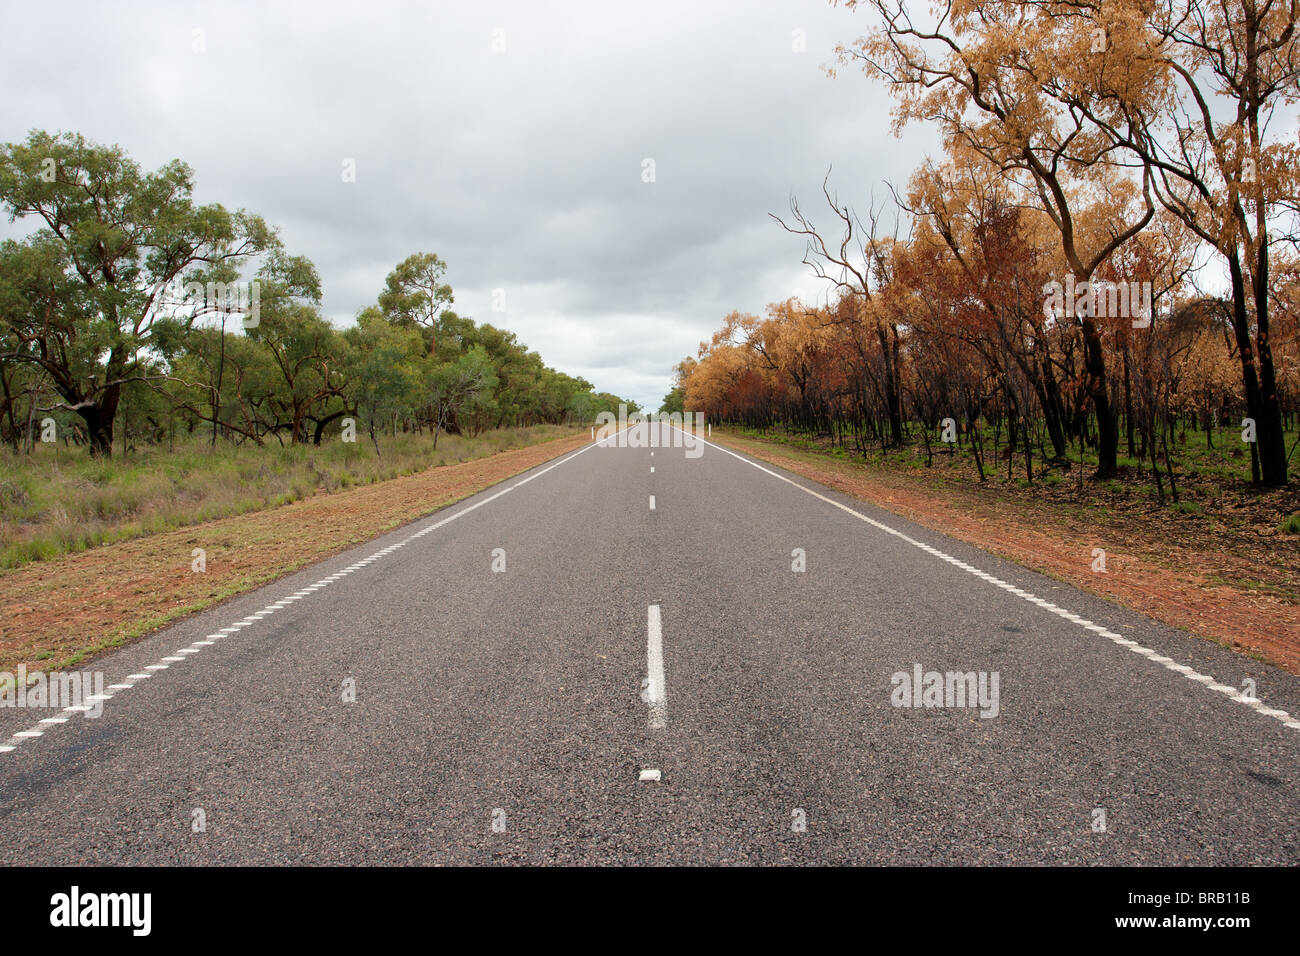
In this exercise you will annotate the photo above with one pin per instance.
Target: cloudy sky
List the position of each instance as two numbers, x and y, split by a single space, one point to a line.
513 139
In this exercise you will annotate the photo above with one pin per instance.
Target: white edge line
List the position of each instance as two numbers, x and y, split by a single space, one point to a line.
152 669
1280 715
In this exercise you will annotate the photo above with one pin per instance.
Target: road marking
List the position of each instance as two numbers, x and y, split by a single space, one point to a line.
270 609
1285 718
652 469
649 774
654 654
652 502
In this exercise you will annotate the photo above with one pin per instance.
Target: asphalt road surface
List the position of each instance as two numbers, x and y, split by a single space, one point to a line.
404 702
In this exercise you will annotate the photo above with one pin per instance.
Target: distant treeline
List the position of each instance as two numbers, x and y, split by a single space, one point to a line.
133 314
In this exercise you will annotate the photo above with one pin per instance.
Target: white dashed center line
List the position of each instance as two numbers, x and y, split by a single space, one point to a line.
654 653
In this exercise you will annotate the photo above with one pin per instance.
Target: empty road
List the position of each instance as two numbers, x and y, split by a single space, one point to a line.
491 684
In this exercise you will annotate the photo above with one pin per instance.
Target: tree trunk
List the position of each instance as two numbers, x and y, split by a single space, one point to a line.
1269 434
99 417
1107 427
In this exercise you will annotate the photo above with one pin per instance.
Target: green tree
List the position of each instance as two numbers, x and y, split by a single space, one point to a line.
416 295
85 295
461 389
386 367
674 401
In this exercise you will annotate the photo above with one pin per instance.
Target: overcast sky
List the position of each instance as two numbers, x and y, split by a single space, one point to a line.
509 138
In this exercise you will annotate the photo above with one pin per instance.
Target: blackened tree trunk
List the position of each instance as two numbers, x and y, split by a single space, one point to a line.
99 416
1107 427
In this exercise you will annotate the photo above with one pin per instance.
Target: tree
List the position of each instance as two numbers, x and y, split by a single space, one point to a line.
855 260
461 388
674 401
1189 89
84 296
387 364
968 71
415 295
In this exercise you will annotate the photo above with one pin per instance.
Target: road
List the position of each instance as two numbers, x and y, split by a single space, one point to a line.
509 716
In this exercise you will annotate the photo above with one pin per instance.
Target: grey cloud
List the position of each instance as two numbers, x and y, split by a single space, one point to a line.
522 169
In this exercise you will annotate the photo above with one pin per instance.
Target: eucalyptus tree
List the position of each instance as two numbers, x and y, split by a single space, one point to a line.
86 296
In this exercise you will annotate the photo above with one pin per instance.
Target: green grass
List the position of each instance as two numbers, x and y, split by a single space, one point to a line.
58 500
1291 524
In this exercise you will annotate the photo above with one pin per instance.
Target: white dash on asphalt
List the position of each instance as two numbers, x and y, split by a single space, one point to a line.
650 775
654 653
652 502
137 676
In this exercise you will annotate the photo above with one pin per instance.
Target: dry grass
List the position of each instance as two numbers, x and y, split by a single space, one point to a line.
58 501
61 611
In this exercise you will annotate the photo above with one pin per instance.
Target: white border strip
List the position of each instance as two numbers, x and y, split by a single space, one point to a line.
184 653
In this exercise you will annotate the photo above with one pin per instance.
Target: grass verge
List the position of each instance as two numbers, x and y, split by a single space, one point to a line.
60 612
59 501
